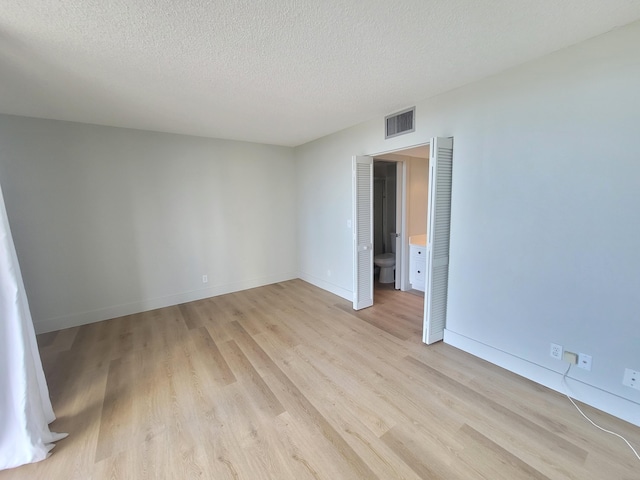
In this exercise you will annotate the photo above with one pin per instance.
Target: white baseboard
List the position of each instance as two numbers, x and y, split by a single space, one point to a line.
83 318
596 397
329 287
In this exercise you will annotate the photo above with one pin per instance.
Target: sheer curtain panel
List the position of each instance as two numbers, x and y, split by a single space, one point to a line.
25 408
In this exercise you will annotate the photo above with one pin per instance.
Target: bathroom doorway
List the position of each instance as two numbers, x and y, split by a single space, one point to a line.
386 222
397 271
432 255
411 169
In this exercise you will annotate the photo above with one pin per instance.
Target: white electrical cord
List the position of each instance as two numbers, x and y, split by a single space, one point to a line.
566 387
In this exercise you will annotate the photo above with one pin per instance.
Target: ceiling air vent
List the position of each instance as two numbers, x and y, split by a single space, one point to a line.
400 123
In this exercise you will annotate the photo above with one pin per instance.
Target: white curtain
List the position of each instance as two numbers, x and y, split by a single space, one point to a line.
25 408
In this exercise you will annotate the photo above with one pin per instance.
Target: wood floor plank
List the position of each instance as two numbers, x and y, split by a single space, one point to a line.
392 393
417 455
190 316
233 433
309 457
534 431
359 424
526 440
382 324
497 461
213 319
286 381
303 407
174 453
258 390
117 423
213 362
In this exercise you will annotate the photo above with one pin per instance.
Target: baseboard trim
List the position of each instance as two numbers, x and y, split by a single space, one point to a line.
98 315
329 287
593 396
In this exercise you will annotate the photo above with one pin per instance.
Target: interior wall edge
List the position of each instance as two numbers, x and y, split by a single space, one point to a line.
328 286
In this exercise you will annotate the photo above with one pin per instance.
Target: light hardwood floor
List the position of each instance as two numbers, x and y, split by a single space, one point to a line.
288 382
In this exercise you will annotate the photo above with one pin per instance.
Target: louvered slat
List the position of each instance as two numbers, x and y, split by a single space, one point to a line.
363 234
439 221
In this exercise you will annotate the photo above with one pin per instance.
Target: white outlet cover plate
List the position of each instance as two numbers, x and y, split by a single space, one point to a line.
631 378
584 361
556 351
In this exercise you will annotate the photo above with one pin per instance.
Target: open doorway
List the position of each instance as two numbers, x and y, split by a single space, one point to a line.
386 224
433 250
363 215
409 168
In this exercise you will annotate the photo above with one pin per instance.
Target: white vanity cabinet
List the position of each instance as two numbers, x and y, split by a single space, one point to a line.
417 266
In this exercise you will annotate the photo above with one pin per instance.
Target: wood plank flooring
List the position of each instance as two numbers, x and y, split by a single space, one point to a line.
288 382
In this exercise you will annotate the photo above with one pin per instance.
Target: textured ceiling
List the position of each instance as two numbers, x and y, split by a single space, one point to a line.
278 71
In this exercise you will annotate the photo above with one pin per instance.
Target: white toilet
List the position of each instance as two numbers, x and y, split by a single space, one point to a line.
387 262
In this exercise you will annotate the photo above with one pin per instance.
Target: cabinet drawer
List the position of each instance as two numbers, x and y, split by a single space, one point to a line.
417 266
418 278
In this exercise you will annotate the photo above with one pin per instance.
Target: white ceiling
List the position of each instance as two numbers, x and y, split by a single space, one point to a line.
279 71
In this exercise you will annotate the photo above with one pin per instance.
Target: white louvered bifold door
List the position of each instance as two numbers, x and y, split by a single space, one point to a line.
438 229
363 232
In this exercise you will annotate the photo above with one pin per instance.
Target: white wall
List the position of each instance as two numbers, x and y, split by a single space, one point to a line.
112 221
417 195
545 214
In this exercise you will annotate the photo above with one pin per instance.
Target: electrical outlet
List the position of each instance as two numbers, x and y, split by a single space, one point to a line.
556 351
584 361
570 357
205 279
631 378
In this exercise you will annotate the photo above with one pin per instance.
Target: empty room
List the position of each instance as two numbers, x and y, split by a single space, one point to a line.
319 240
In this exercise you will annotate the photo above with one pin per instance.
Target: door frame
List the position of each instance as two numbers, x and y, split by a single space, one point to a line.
434 318
402 246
